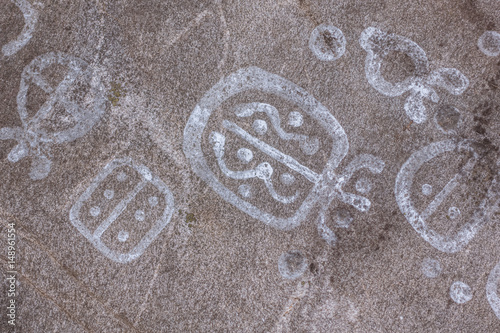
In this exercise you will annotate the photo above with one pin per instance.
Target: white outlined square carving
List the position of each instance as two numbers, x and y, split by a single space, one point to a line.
116 169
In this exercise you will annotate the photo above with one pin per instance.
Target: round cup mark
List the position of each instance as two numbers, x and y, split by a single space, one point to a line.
426 189
292 264
453 212
460 292
95 211
260 126
123 236
287 179
245 190
447 118
245 155
489 43
121 176
139 215
327 42
295 119
109 194
343 218
363 185
153 201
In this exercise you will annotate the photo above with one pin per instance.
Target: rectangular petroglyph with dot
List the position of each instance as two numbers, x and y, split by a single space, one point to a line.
123 210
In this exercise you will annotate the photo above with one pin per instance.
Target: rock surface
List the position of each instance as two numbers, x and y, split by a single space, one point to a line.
243 166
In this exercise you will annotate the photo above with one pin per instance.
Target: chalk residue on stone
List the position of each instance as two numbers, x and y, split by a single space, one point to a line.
327 42
419 220
489 43
30 19
460 292
421 85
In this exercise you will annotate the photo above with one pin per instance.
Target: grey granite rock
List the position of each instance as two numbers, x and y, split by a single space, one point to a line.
250 166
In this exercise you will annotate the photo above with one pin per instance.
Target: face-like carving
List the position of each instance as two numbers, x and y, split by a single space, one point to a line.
264 176
405 188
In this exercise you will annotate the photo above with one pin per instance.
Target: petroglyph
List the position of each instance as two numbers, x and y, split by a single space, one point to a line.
327 42
148 202
447 119
30 15
492 289
292 264
431 268
326 185
489 43
421 85
46 128
460 292
419 221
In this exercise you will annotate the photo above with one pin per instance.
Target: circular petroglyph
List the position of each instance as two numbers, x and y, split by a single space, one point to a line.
123 236
153 201
489 43
287 179
292 264
431 268
460 292
427 189
327 42
343 218
139 215
109 194
260 126
245 155
453 212
95 211
40 168
121 176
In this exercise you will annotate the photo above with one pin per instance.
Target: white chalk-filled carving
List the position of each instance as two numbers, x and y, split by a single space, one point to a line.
124 201
492 289
326 185
30 15
421 85
327 42
419 220
39 132
489 43
460 292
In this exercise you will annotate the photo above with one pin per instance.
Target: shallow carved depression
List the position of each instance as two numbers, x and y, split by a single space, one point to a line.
447 117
